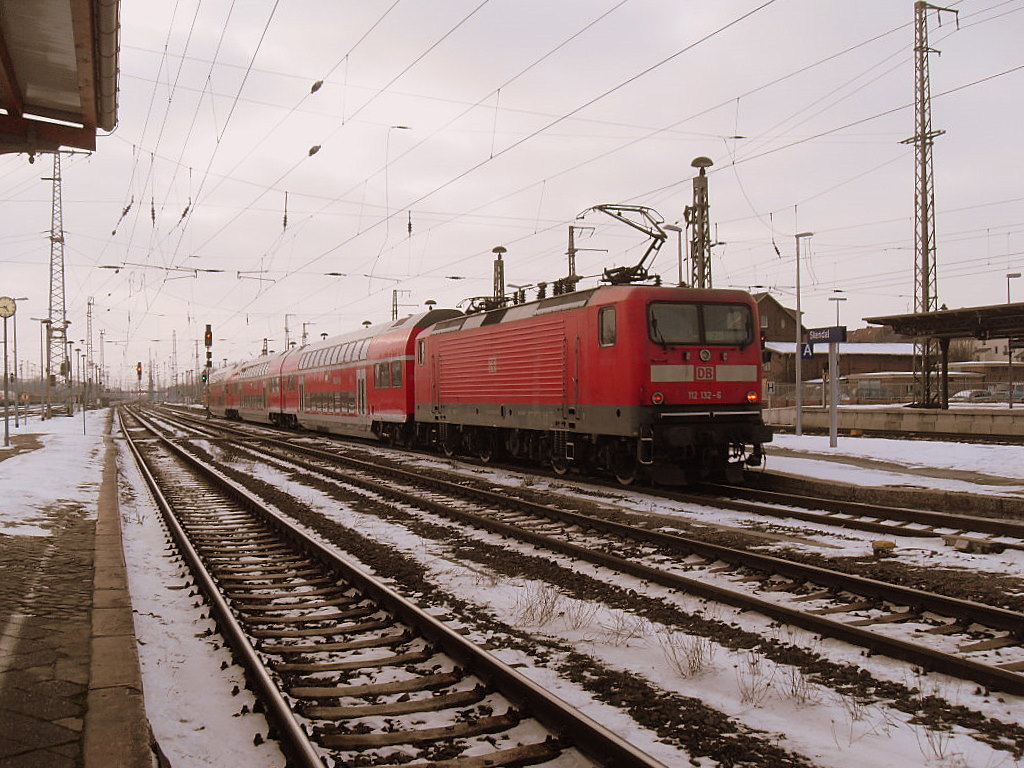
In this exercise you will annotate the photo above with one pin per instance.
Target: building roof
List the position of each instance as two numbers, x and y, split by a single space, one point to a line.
905 375
848 348
996 321
58 73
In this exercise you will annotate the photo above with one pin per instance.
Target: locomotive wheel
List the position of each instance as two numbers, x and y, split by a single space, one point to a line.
626 469
485 448
560 465
449 442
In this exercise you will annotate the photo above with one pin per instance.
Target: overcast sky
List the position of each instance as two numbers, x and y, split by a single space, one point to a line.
517 116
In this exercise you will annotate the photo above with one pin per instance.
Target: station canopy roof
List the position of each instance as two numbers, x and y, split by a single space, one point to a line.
58 73
998 321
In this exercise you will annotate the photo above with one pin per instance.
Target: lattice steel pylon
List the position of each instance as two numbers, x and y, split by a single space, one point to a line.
698 220
925 278
58 366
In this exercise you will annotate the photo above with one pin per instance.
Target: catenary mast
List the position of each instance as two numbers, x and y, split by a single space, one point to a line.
925 284
58 367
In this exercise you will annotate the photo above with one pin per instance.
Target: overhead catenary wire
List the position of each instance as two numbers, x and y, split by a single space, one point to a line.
421 228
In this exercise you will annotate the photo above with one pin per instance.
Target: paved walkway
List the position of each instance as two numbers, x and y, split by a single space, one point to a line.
70 689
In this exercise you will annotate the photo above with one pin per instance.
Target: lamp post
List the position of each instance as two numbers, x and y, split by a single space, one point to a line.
798 420
837 299
834 379
287 336
387 191
7 309
679 231
17 382
44 374
1009 343
387 162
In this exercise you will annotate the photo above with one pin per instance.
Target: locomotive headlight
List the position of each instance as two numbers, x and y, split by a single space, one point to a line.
657 398
752 396
705 355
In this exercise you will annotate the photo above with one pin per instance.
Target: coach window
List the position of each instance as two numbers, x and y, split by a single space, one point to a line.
382 376
606 326
396 373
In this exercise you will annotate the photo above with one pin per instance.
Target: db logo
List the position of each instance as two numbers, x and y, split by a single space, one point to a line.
705 373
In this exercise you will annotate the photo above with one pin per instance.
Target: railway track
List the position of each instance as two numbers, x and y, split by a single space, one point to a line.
965 639
964 531
345 667
970 532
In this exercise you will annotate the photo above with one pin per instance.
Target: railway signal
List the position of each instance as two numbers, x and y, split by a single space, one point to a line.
138 370
208 343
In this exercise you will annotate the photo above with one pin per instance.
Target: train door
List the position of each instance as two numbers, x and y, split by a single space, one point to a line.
435 382
570 375
361 392
577 370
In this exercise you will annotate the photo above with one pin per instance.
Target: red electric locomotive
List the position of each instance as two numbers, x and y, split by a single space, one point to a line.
637 380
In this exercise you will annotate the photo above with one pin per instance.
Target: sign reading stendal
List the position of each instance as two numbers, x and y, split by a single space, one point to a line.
831 335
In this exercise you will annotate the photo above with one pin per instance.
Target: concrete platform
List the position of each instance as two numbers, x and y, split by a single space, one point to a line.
70 686
994 422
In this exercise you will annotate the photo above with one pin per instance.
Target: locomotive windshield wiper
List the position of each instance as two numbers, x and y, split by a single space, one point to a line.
656 334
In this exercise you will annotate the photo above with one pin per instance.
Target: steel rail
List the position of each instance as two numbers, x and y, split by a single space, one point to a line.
294 741
592 740
955 608
991 616
973 523
747 501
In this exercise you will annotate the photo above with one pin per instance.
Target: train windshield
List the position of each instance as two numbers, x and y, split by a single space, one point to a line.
687 323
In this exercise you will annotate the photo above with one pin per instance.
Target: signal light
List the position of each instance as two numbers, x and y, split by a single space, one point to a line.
138 370
206 376
208 337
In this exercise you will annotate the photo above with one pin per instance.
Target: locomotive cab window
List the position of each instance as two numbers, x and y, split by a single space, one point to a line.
678 323
674 323
728 324
606 326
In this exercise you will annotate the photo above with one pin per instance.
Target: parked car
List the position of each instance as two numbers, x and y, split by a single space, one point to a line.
1018 395
973 396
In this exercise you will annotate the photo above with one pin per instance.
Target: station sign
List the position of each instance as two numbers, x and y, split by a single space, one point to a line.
807 351
834 334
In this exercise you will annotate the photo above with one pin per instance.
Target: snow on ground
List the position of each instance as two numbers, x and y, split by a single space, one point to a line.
760 694
199 723
67 469
194 716
811 456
